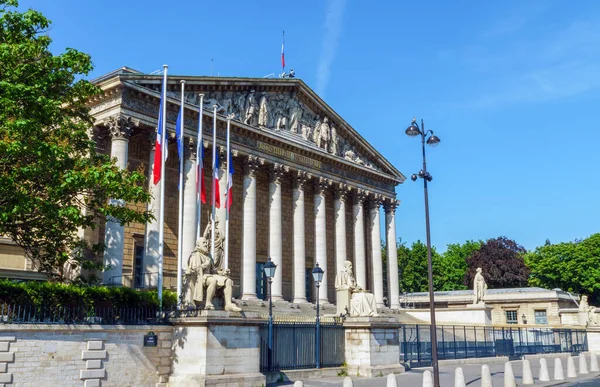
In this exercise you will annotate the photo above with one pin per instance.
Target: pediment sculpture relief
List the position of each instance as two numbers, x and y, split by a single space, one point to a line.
282 112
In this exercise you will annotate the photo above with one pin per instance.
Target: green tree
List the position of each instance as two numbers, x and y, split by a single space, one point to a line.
52 181
451 267
413 266
501 260
571 266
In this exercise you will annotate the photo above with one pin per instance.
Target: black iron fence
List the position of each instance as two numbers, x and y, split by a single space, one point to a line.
294 345
462 342
40 314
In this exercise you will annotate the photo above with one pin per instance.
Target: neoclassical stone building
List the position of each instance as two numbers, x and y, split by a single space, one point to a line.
306 188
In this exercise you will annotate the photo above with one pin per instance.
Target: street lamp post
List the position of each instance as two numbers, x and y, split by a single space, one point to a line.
269 270
414 130
318 277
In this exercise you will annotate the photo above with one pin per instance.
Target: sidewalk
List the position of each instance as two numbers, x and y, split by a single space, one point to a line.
472 372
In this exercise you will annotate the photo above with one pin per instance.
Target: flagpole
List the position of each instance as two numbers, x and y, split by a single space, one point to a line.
229 192
161 213
214 188
199 164
180 216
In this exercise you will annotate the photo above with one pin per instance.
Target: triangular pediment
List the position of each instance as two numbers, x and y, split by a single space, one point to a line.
288 107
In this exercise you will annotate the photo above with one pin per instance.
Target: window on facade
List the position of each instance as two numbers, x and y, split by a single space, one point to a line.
540 317
138 258
511 317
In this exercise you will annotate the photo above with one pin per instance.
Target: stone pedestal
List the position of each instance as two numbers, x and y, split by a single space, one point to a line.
372 346
216 349
342 301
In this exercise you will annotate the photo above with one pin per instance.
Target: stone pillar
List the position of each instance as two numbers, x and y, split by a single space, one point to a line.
360 263
150 271
299 239
321 234
372 346
376 262
189 200
341 193
114 237
392 254
275 232
249 230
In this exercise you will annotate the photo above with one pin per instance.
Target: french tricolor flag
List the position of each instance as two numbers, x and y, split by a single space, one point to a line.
230 183
215 166
282 54
156 171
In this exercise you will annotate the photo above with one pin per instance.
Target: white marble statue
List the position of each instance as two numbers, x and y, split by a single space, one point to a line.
361 302
479 287
251 109
334 148
583 304
295 114
201 273
263 113
321 134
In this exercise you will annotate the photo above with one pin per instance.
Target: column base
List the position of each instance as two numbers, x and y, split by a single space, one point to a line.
380 305
277 298
395 306
249 297
299 301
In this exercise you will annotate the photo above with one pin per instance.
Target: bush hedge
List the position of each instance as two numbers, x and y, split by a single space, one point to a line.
67 295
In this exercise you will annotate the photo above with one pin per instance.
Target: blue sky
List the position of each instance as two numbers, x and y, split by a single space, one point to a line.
512 88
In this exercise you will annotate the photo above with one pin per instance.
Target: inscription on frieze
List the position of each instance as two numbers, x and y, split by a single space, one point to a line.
286 154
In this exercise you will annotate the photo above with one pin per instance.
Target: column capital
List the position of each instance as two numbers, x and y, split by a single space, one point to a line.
375 201
322 185
300 179
360 195
189 147
252 165
150 135
120 126
342 190
390 205
276 172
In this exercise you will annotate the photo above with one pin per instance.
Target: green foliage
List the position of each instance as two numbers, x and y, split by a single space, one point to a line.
501 260
52 181
413 265
68 295
450 268
571 266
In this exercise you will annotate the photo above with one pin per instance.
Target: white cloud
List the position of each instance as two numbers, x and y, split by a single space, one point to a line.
333 29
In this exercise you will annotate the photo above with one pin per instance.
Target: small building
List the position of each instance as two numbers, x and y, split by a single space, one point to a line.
523 306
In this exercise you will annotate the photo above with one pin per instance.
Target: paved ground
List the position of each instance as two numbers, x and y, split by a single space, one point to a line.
414 377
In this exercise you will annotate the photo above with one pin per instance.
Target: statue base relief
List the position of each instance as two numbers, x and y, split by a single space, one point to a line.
475 314
480 305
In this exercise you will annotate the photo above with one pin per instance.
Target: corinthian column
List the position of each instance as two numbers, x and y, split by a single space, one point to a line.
114 237
341 193
359 239
321 234
392 253
275 249
376 263
249 230
150 274
299 239
189 200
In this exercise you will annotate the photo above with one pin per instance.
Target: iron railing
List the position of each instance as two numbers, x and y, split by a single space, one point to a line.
40 314
294 345
462 342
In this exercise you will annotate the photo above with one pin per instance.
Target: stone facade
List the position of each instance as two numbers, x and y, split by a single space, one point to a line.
88 355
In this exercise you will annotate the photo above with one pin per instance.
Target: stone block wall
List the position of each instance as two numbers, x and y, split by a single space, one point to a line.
83 355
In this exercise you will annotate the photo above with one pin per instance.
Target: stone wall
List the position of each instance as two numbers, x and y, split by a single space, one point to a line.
83 355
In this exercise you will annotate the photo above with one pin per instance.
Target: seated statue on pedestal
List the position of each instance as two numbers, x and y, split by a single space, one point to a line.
360 302
201 273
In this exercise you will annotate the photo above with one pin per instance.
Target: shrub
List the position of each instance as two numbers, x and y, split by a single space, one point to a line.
51 294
